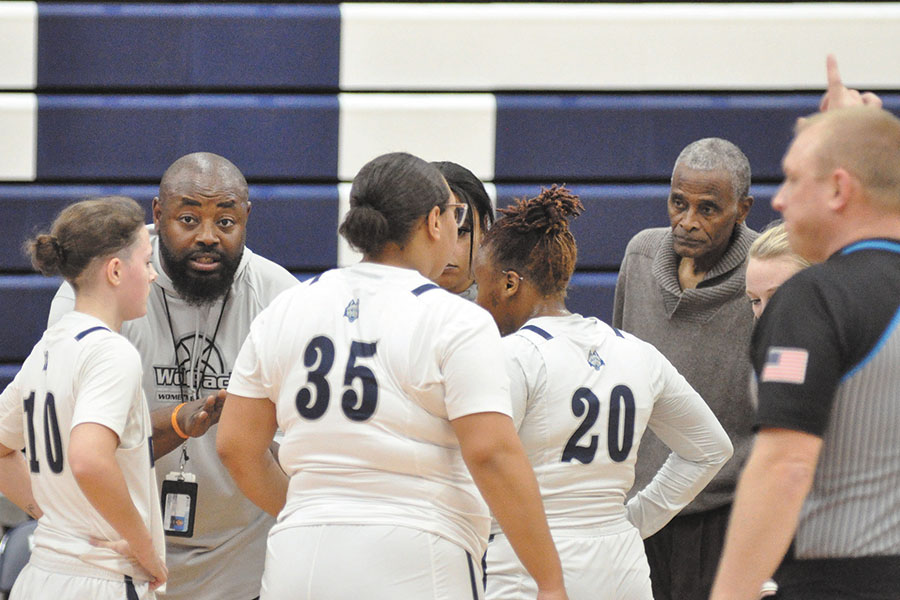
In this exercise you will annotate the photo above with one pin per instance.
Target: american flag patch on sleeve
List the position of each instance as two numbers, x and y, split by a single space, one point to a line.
785 365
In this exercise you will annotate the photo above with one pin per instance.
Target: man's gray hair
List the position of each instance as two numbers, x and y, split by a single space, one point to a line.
712 154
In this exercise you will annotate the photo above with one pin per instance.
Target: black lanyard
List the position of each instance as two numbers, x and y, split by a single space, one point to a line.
205 359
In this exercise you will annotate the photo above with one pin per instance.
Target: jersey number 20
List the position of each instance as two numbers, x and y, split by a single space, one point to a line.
52 438
621 405
321 350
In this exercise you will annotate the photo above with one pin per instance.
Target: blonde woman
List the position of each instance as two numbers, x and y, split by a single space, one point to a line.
770 263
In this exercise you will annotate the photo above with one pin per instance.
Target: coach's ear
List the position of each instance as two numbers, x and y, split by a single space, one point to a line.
156 209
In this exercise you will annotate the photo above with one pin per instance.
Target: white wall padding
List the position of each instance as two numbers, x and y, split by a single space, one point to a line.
678 46
457 127
18 136
18 45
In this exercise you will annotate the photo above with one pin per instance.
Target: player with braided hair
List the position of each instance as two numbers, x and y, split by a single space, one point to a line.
583 394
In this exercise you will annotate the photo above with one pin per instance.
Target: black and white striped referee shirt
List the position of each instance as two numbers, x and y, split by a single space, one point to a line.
826 354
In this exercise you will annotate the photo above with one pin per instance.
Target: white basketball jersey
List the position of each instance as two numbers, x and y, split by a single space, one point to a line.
80 372
583 395
367 366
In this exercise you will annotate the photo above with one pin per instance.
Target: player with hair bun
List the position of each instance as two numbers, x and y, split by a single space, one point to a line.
395 411
583 394
77 408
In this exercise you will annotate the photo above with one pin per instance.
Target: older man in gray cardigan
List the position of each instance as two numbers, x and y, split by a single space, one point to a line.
681 288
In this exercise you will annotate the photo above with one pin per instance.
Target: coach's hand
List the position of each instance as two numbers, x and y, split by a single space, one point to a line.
196 417
193 418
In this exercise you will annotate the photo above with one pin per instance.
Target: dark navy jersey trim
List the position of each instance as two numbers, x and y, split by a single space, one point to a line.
538 331
618 333
314 279
130 591
873 245
484 564
424 288
472 579
81 335
876 348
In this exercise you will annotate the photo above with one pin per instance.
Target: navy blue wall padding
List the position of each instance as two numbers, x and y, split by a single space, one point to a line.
614 213
638 137
25 302
7 374
27 209
294 225
283 137
167 46
591 294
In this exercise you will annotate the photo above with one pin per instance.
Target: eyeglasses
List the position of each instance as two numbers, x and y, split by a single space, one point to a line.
460 210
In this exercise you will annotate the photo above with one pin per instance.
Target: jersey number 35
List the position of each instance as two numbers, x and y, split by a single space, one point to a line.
313 398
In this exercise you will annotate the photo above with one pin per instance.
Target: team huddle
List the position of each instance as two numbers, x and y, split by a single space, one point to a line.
433 422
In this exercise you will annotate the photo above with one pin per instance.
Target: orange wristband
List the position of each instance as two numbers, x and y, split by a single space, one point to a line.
175 426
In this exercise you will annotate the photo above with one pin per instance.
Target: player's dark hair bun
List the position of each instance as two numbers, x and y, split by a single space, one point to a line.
390 194
365 228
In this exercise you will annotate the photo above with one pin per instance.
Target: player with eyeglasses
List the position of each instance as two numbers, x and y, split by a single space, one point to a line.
457 276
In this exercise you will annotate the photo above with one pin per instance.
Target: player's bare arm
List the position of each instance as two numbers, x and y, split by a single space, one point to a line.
92 458
770 494
15 482
498 464
249 459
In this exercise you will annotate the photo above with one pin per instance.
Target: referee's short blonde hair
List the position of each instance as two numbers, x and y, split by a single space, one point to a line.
865 141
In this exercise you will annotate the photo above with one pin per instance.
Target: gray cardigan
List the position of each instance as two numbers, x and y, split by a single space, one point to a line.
704 332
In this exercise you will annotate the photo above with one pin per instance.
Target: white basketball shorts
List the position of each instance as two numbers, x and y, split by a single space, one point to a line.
337 562
36 583
608 567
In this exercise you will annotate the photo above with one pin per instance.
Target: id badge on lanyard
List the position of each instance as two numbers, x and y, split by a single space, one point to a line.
179 500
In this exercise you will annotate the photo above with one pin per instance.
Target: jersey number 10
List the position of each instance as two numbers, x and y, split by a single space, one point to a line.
621 406
52 438
321 350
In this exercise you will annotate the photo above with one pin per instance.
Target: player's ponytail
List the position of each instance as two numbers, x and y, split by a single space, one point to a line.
95 228
390 194
533 238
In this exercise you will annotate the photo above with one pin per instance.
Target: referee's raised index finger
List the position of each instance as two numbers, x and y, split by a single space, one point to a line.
834 75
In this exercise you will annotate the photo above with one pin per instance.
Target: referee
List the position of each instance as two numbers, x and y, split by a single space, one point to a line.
824 473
